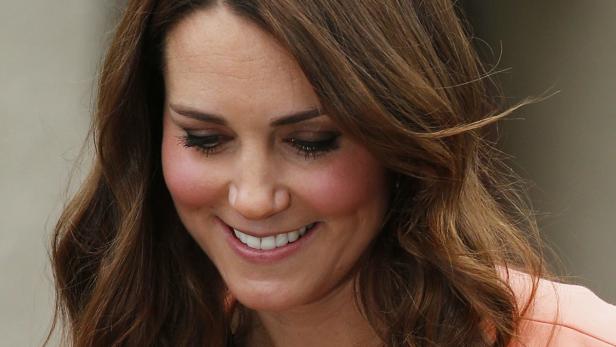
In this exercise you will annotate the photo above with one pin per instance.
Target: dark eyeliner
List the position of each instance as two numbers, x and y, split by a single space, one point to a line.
314 149
310 149
203 143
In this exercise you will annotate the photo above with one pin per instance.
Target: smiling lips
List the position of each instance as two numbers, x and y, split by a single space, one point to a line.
273 241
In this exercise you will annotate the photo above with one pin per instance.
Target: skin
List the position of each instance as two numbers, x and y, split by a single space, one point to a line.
219 63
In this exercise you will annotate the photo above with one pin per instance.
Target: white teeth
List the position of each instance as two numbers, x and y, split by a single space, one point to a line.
271 242
281 240
240 235
293 236
268 243
253 242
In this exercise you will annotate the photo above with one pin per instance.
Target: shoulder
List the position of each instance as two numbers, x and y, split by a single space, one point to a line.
561 314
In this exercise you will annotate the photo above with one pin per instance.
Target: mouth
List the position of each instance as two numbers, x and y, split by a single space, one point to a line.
273 241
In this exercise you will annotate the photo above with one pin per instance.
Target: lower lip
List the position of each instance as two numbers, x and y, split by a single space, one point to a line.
268 256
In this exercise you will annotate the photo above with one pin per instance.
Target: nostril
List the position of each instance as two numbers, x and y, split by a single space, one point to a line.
258 202
252 205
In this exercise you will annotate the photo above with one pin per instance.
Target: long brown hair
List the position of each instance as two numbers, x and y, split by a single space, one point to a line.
400 76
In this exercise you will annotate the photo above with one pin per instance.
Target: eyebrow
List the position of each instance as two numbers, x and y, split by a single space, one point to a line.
292 118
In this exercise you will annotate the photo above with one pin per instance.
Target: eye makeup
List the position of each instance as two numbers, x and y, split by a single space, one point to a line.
208 144
309 148
313 148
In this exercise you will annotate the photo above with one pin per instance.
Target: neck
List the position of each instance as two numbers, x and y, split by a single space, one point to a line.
333 321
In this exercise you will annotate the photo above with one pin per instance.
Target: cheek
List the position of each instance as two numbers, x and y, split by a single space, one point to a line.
354 180
191 183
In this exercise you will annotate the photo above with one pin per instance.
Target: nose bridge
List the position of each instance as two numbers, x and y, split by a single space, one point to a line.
254 172
254 190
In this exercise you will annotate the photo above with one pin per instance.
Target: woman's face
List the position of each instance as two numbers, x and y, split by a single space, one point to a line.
245 147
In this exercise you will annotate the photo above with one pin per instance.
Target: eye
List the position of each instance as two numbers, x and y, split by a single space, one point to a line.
315 146
207 144
308 144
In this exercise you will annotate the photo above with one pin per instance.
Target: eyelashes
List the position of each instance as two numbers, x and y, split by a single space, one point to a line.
310 149
207 144
313 149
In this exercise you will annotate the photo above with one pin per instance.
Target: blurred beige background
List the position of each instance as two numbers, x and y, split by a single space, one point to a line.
566 145
49 51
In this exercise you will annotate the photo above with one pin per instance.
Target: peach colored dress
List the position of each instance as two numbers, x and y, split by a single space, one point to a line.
563 315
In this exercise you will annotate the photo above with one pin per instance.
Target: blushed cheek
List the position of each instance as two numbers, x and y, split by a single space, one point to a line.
350 184
191 183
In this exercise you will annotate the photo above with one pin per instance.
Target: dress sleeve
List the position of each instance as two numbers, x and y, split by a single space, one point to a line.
562 315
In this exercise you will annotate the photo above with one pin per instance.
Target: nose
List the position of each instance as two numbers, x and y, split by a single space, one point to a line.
255 192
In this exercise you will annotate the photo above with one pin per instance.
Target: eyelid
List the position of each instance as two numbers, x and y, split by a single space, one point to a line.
310 148
204 130
315 135
203 143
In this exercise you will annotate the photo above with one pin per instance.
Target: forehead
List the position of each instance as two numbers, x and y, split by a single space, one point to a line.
216 59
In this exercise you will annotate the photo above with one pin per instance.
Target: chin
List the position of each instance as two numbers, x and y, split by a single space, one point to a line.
267 297
266 304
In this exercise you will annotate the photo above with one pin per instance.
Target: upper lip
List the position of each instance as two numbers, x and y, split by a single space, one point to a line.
253 232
